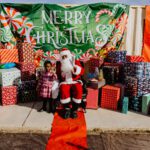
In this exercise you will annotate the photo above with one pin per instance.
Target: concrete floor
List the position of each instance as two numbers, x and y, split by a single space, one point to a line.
25 118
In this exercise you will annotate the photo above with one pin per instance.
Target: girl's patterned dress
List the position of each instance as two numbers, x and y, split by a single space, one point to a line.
45 84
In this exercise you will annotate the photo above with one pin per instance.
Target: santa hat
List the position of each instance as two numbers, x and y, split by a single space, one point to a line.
65 51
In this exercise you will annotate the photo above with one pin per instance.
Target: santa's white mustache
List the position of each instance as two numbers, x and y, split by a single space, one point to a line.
66 65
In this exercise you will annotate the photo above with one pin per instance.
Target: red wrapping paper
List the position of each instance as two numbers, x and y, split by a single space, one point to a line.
110 97
26 52
9 95
134 58
27 71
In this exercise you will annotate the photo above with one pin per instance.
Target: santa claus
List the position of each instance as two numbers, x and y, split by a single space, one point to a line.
71 85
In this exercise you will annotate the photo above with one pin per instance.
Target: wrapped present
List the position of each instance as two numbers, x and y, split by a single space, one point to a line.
92 98
95 62
7 55
125 104
143 86
96 84
122 93
26 52
134 58
135 103
111 74
27 95
134 69
147 69
27 71
27 85
8 95
110 97
10 76
145 103
131 86
116 56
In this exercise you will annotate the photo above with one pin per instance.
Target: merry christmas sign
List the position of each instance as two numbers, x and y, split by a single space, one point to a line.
84 29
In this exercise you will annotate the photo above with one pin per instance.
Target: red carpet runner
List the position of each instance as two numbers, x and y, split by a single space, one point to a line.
68 134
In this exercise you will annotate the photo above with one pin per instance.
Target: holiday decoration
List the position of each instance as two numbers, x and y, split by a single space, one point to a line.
134 58
12 18
5 35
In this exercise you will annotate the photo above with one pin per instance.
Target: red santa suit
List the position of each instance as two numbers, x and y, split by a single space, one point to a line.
71 85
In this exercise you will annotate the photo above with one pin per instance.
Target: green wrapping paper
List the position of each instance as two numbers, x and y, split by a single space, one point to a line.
145 103
125 103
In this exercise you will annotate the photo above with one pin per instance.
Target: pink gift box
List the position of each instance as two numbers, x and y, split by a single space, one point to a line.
92 98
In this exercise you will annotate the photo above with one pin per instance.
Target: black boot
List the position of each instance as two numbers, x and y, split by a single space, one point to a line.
74 109
67 112
43 107
51 106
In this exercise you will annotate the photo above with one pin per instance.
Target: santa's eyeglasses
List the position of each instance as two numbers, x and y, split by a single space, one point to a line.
64 56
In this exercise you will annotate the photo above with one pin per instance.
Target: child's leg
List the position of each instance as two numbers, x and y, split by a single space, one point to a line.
51 105
43 108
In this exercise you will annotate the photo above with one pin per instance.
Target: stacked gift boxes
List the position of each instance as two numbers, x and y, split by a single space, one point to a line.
137 82
9 77
27 88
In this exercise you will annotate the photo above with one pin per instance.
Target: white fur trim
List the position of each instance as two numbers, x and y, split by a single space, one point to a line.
78 101
65 101
84 100
78 70
55 89
66 52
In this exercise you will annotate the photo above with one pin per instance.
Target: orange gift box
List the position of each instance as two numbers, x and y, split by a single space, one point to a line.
8 55
110 97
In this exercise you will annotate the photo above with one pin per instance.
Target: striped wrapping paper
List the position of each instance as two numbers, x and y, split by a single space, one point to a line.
26 52
134 69
116 56
134 58
8 55
143 86
27 71
135 103
131 86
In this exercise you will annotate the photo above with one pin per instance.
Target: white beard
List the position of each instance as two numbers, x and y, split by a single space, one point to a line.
66 65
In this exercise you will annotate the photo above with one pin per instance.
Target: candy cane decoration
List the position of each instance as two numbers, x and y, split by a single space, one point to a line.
30 40
103 11
27 23
12 18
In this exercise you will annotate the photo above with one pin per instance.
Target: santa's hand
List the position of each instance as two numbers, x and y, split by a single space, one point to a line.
76 70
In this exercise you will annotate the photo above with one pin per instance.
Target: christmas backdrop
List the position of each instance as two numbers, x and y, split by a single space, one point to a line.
85 29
